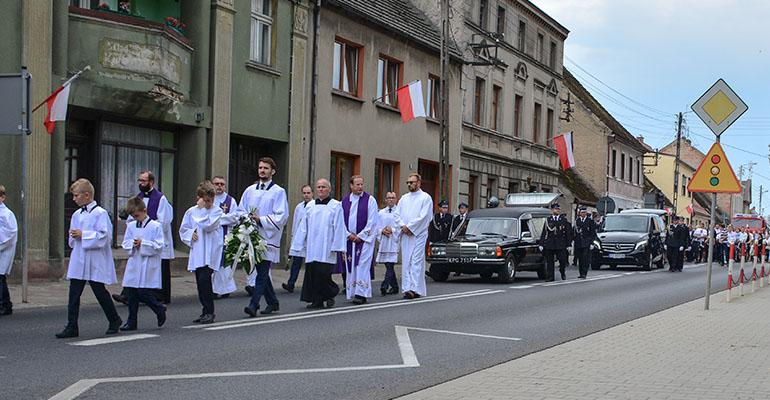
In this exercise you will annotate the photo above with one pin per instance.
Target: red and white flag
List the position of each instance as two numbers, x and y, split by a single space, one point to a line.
563 144
57 106
689 208
410 101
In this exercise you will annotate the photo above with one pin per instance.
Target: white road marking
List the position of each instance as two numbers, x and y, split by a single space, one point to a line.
114 339
408 358
597 278
295 317
521 287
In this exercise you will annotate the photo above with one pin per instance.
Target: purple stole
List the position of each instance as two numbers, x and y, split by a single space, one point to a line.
222 205
153 203
362 215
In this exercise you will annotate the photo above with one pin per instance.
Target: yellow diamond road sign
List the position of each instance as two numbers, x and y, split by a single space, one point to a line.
719 107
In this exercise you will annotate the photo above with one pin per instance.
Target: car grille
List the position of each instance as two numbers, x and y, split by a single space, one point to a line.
462 250
618 247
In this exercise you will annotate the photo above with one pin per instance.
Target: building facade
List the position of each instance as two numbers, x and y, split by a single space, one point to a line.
662 175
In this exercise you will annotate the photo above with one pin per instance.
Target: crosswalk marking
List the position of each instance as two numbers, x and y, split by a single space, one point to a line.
114 339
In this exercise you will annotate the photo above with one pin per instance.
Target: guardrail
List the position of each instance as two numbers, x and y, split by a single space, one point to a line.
742 279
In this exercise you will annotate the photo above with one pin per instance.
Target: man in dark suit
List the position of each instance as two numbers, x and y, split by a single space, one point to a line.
556 237
442 220
585 233
680 241
458 222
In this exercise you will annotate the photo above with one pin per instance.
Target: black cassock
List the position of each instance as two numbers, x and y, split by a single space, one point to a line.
318 285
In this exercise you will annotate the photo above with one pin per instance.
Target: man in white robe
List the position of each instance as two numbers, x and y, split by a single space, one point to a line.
388 234
414 211
223 280
298 257
8 236
322 233
143 242
359 211
266 204
200 230
91 261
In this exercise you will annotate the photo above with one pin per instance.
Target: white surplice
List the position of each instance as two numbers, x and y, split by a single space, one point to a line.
299 213
143 265
273 209
91 257
9 232
415 210
359 279
321 232
207 250
165 216
389 245
223 281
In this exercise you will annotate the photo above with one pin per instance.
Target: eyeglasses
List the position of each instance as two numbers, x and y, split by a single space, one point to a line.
411 182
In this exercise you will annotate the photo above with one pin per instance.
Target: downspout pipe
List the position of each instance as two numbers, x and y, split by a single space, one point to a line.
314 92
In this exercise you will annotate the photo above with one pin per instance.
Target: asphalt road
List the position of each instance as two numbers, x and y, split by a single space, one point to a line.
381 350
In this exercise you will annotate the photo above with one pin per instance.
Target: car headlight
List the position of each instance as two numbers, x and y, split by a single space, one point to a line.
640 245
487 251
438 251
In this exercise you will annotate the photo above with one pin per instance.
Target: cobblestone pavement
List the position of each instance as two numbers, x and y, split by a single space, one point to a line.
684 352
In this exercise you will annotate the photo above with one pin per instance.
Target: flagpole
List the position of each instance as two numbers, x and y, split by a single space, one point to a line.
72 78
397 89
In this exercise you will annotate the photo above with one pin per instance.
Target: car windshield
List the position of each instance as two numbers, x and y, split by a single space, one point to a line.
492 226
748 223
625 223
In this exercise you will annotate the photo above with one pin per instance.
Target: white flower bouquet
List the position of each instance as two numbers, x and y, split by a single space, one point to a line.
244 246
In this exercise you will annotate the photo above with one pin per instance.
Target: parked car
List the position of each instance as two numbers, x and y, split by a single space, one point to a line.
500 241
633 238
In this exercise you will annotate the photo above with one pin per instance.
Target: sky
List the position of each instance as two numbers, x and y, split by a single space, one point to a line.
647 60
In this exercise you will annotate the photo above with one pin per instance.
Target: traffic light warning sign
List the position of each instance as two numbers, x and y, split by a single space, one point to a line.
714 174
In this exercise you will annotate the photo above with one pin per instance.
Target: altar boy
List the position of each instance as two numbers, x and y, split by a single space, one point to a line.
144 243
201 231
8 235
91 261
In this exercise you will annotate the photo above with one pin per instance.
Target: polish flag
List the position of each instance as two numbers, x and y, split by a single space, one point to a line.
57 107
410 101
689 209
563 145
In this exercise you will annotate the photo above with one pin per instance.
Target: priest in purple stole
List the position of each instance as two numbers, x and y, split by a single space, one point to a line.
360 213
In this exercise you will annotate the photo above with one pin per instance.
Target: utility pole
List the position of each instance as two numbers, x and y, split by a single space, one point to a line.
675 197
444 128
761 210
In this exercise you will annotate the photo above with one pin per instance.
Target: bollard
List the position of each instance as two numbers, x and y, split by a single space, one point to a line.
754 269
730 272
762 274
741 277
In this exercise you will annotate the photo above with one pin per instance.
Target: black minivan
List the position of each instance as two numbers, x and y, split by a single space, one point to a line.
632 239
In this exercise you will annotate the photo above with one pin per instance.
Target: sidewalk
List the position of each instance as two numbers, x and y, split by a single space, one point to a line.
680 353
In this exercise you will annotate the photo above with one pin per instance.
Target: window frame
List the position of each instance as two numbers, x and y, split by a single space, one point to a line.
478 101
536 122
549 114
497 92
522 36
384 97
622 166
518 102
258 18
338 185
540 50
500 28
552 55
613 166
483 13
378 184
434 96
336 64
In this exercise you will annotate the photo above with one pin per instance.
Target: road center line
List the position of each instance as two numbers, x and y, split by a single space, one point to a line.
116 339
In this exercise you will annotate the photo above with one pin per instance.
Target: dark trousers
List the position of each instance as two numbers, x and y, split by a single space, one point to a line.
390 280
296 265
318 285
205 290
135 295
165 282
550 256
263 286
102 296
5 296
677 259
583 259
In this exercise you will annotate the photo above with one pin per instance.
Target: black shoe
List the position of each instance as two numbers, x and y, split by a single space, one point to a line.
162 317
393 290
251 312
120 298
329 303
287 288
114 327
549 280
207 319
6 311
269 309
198 320
250 290
409 295
563 276
358 300
383 291
226 295
581 277
128 327
316 305
68 332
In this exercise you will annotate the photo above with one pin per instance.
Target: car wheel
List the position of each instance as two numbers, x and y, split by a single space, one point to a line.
662 263
507 273
486 275
438 274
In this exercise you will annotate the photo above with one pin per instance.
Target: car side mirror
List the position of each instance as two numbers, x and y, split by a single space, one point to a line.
526 235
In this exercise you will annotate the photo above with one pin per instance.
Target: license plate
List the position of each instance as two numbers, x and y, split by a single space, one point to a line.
615 255
460 260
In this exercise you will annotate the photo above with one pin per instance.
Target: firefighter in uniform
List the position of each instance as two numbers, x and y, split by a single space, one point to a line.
441 224
585 234
556 237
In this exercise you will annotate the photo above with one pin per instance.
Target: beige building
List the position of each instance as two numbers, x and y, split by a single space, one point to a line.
662 175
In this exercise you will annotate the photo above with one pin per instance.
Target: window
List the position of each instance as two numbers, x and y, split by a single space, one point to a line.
491 187
522 35
638 173
343 166
501 20
496 92
613 166
513 187
536 123
684 184
483 9
434 96
552 56
261 25
630 169
549 128
471 192
386 174
540 49
389 79
478 101
517 103
622 166
347 69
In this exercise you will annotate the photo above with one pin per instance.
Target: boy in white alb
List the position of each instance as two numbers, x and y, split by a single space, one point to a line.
144 243
91 261
200 230
8 235
222 280
388 235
